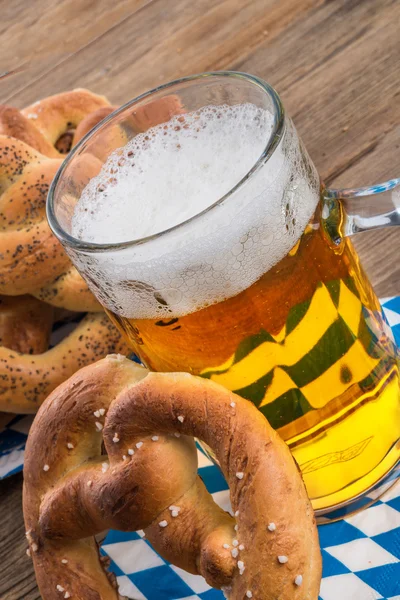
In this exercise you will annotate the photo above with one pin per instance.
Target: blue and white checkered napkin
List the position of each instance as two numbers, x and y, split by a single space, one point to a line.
361 554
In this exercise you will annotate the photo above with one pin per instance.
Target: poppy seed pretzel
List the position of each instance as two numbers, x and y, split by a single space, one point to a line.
32 261
148 480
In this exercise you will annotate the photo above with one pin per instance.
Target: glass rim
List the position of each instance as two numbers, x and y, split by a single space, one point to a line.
274 138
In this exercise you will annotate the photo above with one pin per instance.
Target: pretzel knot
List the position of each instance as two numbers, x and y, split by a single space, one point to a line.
113 448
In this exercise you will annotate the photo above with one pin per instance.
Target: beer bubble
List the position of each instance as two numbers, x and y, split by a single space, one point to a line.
237 249
180 169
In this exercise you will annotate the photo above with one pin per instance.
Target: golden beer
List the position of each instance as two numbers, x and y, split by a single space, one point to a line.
211 243
307 343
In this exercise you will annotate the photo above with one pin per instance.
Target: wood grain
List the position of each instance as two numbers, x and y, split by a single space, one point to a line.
41 35
335 64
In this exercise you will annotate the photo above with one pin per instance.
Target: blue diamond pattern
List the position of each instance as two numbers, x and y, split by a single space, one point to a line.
340 532
211 595
161 583
389 540
385 580
332 566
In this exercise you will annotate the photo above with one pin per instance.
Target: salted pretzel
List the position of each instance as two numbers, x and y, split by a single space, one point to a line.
113 448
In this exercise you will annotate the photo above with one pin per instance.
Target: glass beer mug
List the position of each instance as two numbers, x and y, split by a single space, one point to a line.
256 285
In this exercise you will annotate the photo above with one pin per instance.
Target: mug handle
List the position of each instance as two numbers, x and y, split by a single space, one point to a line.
346 212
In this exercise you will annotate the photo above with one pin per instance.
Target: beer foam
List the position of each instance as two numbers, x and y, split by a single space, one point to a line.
173 172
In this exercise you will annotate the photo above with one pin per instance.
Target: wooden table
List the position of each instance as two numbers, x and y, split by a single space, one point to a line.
335 64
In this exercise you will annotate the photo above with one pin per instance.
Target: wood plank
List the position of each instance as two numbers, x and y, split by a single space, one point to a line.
47 33
329 82
17 578
181 38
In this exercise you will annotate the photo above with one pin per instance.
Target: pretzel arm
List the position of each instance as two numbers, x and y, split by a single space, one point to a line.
69 291
195 539
24 202
54 115
29 262
13 123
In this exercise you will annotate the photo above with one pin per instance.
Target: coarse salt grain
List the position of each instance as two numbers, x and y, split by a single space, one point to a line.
64 561
97 414
46 468
131 451
235 553
89 483
233 404
298 579
236 527
181 418
174 513
271 527
139 444
104 467
240 564
241 547
124 457
283 559
249 594
34 547
60 588
163 523
99 426
28 552
117 357
239 475
155 438
115 438
67 595
70 446
235 543
226 546
102 412
177 434
237 513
